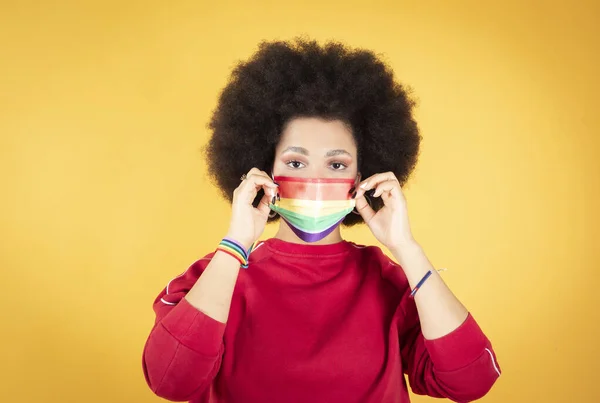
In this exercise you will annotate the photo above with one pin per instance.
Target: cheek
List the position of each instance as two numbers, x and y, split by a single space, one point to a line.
278 163
352 167
279 167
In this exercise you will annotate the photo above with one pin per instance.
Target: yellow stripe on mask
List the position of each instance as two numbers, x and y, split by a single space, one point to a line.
314 208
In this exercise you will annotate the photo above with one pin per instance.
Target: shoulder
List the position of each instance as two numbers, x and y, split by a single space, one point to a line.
181 284
390 270
371 254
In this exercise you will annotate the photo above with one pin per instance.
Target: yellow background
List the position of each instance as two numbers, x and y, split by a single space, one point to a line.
103 107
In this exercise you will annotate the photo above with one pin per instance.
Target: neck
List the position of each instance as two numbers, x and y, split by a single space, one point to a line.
286 234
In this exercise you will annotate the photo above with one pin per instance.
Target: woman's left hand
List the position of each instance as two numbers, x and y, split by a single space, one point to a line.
390 224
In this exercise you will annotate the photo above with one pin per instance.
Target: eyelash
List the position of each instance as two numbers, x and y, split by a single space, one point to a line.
293 162
333 163
340 163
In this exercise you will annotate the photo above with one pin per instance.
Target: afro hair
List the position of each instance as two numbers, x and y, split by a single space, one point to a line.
300 78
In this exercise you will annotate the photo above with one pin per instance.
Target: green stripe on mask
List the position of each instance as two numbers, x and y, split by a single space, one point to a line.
311 224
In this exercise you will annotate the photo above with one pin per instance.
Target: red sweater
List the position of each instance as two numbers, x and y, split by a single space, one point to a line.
311 324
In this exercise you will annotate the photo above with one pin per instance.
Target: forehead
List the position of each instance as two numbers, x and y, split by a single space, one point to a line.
315 133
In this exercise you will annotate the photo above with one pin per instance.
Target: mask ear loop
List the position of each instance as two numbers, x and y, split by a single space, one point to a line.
358 178
273 213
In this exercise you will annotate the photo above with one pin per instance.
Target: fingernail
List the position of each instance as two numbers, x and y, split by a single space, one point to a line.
276 183
363 186
273 201
352 190
353 195
278 198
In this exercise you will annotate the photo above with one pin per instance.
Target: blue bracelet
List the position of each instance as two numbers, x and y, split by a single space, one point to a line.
420 284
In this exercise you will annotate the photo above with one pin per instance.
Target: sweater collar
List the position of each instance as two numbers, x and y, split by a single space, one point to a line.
289 248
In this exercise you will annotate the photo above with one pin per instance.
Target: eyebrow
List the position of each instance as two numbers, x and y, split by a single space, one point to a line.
299 150
333 153
304 151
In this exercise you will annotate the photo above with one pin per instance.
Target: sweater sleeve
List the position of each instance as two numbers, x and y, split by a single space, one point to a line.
183 352
460 366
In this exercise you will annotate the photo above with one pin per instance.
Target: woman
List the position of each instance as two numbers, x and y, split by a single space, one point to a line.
306 316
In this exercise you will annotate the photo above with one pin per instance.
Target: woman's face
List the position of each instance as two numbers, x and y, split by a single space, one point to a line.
315 148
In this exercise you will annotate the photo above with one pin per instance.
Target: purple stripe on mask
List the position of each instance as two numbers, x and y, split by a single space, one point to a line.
308 237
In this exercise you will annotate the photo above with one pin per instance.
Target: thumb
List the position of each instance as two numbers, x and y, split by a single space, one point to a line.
365 210
263 206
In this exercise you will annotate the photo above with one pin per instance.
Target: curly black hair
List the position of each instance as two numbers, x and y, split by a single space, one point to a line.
300 78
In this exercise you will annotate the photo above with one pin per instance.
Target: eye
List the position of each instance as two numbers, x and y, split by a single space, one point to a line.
338 166
295 164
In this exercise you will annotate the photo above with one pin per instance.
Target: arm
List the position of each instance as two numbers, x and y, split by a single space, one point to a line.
443 349
183 352
460 366
213 291
444 352
440 312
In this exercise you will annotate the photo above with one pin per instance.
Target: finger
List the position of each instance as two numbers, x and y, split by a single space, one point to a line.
266 184
265 174
374 180
386 186
254 183
364 209
271 184
256 171
263 206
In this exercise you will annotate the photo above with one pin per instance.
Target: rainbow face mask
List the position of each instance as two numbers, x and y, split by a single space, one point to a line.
313 207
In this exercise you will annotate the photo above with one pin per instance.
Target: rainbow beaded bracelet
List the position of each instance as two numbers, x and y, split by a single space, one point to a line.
236 250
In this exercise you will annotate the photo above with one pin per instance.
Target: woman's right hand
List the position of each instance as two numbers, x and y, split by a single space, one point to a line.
248 222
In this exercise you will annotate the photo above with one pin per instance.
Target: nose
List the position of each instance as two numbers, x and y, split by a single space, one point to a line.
318 172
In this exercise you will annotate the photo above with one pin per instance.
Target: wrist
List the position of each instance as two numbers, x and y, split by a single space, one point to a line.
405 247
235 249
246 243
